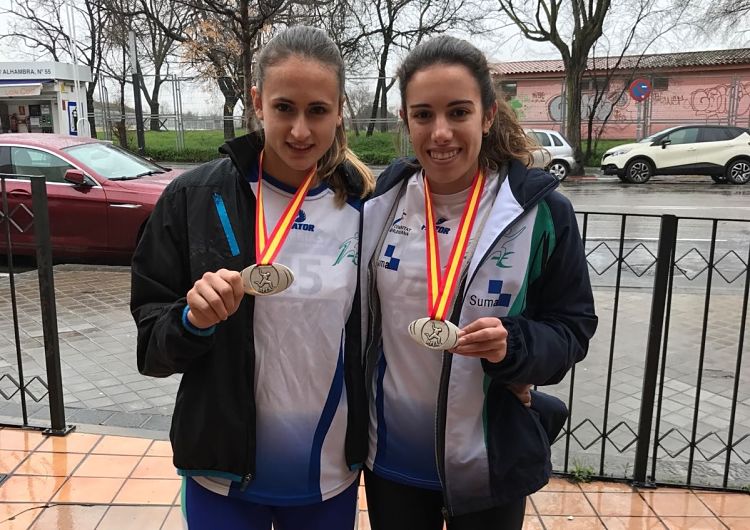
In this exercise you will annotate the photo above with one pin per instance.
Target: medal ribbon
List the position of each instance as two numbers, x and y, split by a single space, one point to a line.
440 288
266 249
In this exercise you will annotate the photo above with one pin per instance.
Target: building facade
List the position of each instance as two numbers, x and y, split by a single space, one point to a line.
43 98
686 88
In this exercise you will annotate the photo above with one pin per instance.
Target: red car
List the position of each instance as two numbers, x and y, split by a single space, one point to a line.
100 195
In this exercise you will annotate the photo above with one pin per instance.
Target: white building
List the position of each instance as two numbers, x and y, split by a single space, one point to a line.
44 98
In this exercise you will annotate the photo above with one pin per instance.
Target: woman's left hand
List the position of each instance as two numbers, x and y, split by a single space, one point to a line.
485 338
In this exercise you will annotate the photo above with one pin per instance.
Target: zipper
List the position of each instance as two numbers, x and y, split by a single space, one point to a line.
246 479
440 418
442 404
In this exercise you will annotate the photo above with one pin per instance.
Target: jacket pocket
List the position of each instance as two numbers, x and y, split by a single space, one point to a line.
518 446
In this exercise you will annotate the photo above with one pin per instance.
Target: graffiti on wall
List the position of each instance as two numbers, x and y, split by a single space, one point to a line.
613 105
714 102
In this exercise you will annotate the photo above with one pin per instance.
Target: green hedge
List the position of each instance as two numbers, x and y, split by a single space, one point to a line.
201 146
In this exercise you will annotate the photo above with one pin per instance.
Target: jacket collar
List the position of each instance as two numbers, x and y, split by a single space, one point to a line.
519 192
244 152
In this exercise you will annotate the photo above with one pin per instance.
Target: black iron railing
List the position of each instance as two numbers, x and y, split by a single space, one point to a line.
16 381
665 377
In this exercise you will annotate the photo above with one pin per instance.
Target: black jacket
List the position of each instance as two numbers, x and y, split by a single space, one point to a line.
549 327
213 426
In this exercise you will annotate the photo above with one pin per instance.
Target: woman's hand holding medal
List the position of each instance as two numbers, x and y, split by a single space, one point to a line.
214 298
485 338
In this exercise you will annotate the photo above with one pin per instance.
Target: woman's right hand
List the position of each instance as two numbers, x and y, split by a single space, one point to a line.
522 392
214 298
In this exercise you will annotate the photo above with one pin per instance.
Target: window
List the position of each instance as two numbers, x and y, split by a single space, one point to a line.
5 160
595 84
542 139
509 88
27 161
661 83
684 136
734 132
714 134
557 140
111 161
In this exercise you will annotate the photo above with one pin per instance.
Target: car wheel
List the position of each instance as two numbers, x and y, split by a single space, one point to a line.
559 169
638 171
738 172
719 179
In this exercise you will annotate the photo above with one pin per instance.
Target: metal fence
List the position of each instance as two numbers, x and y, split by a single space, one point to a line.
16 218
663 396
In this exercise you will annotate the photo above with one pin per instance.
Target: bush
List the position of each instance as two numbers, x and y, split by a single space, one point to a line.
202 146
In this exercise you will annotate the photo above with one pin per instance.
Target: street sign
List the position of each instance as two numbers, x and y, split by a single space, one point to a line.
640 89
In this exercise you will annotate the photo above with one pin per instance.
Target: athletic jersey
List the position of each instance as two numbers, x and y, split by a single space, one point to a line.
299 354
405 386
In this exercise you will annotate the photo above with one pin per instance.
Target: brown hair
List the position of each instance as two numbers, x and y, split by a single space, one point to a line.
506 139
312 43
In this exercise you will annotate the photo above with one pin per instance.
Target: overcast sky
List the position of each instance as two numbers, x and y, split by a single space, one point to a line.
503 42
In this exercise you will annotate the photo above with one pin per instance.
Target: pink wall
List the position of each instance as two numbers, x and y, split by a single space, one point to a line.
691 97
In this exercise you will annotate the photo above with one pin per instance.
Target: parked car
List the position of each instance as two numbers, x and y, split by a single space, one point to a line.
554 153
99 195
721 152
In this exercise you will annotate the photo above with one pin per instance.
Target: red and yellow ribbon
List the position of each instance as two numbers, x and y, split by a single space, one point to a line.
266 249
440 287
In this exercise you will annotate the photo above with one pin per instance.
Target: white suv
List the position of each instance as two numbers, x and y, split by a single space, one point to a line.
554 154
721 152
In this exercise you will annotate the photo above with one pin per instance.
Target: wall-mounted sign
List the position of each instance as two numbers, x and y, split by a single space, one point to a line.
73 118
640 89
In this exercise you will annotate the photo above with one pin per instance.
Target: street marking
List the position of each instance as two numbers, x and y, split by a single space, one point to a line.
659 207
617 238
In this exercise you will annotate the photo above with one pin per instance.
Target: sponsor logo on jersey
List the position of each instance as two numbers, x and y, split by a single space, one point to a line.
440 229
349 249
300 224
389 261
398 228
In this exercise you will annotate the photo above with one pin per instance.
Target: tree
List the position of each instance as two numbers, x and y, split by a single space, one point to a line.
643 23
41 25
387 25
216 56
156 46
546 22
241 21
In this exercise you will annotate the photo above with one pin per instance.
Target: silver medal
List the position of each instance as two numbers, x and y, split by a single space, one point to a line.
262 280
434 334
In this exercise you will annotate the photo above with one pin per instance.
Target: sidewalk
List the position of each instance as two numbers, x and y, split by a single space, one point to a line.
91 481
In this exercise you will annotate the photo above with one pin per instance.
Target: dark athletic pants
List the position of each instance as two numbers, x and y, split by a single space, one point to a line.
394 506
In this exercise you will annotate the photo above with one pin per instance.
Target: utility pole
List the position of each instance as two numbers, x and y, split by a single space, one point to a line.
135 71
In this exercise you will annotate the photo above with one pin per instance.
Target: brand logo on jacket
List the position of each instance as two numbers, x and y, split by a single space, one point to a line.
398 228
300 224
502 256
391 263
500 299
349 249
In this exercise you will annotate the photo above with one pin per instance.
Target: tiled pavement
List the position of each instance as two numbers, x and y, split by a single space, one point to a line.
88 481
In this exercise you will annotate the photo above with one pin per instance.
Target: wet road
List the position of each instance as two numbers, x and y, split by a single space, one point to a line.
696 201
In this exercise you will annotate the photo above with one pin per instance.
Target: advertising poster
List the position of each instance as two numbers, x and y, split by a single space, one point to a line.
73 118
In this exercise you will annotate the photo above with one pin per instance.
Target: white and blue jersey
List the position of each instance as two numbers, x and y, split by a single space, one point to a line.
403 411
300 398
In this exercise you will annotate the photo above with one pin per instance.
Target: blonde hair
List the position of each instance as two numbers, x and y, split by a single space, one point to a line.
311 43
